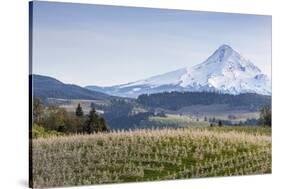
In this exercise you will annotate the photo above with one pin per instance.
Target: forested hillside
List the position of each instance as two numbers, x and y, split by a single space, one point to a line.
177 100
48 87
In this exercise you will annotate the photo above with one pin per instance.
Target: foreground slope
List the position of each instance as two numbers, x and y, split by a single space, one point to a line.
146 155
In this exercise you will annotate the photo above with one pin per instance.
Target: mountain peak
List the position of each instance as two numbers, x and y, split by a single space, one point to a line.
227 59
225 47
221 55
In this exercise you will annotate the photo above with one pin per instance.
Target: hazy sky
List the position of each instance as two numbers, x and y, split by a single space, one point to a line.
107 45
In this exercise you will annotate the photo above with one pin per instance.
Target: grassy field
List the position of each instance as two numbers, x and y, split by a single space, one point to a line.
174 121
146 155
71 105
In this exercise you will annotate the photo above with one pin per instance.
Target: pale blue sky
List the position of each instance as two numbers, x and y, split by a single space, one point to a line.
107 45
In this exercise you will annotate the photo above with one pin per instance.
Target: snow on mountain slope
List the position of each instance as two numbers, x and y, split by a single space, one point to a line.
170 78
225 71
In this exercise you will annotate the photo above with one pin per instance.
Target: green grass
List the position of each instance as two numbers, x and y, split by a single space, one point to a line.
71 105
173 121
41 132
146 155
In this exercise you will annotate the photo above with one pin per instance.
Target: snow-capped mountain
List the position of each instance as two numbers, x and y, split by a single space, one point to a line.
225 71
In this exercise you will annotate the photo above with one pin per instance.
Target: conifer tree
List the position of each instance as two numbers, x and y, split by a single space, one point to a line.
94 123
220 123
79 111
102 125
265 116
37 110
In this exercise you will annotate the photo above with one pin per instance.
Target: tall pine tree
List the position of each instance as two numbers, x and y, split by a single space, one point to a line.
79 111
265 116
94 123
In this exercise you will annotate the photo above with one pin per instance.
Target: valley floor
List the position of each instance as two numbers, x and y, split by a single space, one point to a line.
146 155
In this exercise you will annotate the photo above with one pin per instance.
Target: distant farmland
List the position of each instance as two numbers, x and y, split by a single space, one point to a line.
146 155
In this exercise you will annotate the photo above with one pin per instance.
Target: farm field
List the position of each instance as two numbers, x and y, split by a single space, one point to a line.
218 110
174 121
71 104
147 155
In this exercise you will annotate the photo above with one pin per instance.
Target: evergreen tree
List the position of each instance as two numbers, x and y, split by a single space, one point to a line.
37 110
205 119
102 125
265 116
94 123
79 111
220 123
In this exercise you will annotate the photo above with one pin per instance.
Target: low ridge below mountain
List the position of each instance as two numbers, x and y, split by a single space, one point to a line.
46 87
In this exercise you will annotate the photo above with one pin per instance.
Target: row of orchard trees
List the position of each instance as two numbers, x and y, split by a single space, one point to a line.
54 118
